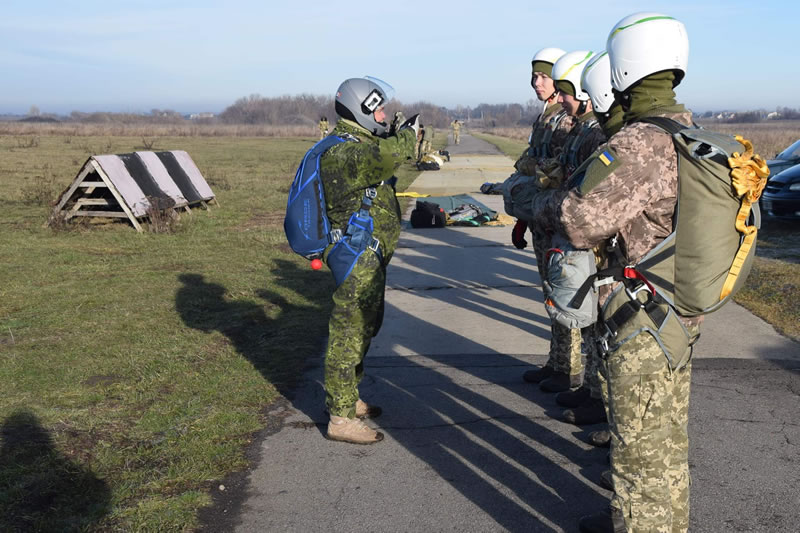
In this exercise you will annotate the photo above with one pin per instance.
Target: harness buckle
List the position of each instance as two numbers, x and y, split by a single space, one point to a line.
371 192
633 294
374 245
335 235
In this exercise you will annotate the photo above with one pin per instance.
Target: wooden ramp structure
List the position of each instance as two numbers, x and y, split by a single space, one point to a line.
131 185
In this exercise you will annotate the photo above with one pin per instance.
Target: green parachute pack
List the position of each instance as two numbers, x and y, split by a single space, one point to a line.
707 257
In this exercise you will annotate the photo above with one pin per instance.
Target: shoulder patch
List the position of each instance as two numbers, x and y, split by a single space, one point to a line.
604 163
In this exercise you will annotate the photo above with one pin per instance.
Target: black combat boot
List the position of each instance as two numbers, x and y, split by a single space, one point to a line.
573 398
538 375
560 381
601 438
608 521
591 412
606 481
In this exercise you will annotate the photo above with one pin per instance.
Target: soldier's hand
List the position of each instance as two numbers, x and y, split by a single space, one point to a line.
412 123
398 119
518 234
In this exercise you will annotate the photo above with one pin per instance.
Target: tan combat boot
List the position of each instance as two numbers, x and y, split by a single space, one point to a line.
364 410
352 430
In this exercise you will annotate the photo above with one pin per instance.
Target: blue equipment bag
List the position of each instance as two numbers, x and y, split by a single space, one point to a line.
308 228
356 240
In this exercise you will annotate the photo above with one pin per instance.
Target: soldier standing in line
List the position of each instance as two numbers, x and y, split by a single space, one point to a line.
323 127
355 173
548 135
583 139
456 130
628 197
595 80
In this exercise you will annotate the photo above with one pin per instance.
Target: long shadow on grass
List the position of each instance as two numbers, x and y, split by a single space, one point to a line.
277 347
40 489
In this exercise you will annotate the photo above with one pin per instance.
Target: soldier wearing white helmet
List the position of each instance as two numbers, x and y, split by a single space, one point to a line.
628 200
547 139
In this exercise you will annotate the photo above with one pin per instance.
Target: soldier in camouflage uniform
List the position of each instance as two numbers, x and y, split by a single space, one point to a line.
629 194
323 127
585 403
591 397
548 135
366 162
456 130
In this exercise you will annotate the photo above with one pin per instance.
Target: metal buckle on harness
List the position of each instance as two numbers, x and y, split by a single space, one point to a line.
633 294
374 245
335 235
371 192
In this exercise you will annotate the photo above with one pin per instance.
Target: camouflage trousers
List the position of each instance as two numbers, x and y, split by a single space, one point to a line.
592 377
648 407
456 136
356 317
565 343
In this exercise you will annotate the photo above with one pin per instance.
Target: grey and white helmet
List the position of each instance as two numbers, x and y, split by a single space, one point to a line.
358 98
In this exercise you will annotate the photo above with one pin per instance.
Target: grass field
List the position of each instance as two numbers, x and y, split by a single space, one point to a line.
772 291
136 367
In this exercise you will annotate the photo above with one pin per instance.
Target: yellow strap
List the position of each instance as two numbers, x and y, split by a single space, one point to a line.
749 173
411 194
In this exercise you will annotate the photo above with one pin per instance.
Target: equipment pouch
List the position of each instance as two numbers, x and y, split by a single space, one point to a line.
357 239
660 321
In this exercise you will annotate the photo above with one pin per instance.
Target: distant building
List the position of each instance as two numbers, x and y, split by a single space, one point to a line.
773 116
197 116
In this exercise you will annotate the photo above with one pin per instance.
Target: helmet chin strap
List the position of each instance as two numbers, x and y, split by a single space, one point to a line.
552 97
582 107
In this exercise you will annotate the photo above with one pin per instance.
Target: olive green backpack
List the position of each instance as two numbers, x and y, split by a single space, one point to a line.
708 255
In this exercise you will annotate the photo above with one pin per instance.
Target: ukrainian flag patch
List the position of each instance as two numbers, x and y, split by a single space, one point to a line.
606 158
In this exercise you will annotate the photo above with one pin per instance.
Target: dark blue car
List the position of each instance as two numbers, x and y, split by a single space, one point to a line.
781 197
788 158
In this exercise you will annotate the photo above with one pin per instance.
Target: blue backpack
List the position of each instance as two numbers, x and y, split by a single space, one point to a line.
308 228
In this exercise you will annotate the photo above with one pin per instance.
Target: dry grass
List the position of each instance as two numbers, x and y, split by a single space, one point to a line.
27 134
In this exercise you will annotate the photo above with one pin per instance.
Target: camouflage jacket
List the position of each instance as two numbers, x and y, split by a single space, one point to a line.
552 118
584 138
581 141
630 190
350 167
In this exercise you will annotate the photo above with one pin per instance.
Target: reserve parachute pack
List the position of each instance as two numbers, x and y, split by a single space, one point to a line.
306 224
707 257
566 269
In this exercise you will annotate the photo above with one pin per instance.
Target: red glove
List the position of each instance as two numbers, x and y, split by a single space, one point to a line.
518 234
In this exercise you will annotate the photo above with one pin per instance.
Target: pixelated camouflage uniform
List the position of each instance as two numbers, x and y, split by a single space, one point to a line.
346 170
548 135
632 194
323 128
582 141
456 131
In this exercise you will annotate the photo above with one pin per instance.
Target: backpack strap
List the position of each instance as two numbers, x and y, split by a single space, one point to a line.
667 124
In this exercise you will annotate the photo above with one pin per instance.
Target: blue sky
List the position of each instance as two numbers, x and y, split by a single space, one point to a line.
199 55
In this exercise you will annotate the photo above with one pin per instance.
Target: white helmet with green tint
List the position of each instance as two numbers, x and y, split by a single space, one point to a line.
568 70
596 80
643 44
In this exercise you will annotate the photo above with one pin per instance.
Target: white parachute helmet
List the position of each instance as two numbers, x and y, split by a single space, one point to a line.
643 44
547 55
569 68
596 80
358 98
